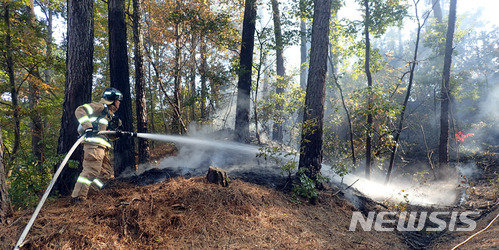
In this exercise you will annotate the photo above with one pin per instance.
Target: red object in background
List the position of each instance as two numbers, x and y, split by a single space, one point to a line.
460 136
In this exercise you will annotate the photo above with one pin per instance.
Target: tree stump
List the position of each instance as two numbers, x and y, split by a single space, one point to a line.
218 176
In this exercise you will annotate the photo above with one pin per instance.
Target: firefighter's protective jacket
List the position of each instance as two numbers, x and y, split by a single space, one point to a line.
95 115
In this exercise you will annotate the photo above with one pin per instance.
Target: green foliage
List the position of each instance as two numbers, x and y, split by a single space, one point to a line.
280 157
421 177
292 101
30 178
337 152
384 112
305 187
400 206
384 14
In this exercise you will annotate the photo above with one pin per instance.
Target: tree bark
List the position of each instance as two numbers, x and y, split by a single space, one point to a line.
406 100
349 119
437 11
192 81
140 84
443 152
217 176
278 120
202 71
5 207
303 56
78 86
312 130
177 127
37 142
245 67
369 88
9 60
118 64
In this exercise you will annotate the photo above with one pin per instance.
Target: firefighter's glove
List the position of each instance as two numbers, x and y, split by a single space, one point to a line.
89 133
119 133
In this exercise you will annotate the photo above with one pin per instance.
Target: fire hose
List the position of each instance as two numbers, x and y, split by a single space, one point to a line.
20 242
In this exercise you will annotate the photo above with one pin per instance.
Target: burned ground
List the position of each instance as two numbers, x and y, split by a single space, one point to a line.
187 212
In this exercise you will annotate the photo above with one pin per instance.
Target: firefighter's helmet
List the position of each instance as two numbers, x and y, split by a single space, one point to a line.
111 94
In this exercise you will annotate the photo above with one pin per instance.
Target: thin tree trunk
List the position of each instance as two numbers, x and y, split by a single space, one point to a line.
406 100
312 130
303 55
193 77
443 153
5 207
152 104
204 88
78 86
176 104
261 62
278 120
177 95
48 76
350 127
34 96
245 67
369 98
140 84
12 81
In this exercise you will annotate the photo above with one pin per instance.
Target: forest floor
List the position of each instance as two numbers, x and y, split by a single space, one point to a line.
189 213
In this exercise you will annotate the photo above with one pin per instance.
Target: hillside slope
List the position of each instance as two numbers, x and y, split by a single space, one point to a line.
190 213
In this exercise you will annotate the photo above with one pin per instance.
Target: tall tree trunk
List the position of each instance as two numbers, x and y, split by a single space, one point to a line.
118 64
443 152
259 66
34 96
48 76
78 86
349 119
369 93
437 11
193 77
312 130
140 84
278 120
151 83
245 67
303 55
37 144
406 100
5 207
202 72
177 95
12 80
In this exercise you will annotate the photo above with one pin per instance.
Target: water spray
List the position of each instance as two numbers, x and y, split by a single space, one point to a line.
187 140
158 137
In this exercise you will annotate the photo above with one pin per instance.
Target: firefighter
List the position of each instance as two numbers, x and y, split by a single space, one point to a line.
94 117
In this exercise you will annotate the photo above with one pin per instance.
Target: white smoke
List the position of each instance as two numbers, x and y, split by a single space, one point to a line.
403 190
490 107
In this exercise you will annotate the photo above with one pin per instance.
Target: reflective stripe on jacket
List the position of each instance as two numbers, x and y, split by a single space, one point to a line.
87 114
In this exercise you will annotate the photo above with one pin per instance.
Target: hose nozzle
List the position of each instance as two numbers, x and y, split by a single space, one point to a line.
120 133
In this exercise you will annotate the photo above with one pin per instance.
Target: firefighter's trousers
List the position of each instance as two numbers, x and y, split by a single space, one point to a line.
97 170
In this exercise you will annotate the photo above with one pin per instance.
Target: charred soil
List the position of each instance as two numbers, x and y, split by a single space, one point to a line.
181 213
